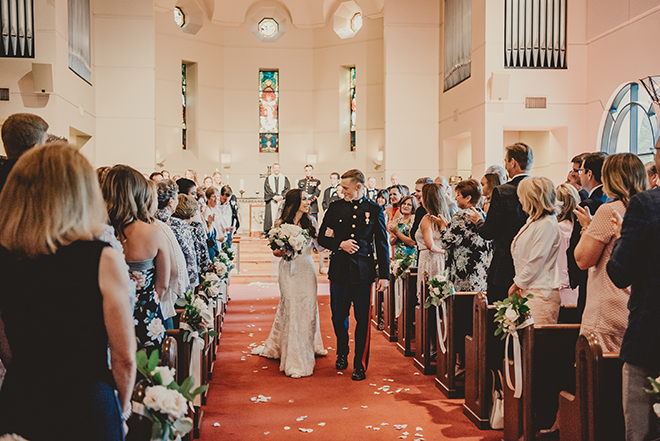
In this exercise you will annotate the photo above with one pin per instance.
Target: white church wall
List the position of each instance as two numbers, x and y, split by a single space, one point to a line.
72 103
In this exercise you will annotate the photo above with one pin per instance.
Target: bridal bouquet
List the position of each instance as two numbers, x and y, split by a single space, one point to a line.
400 264
196 320
439 289
511 313
288 237
165 402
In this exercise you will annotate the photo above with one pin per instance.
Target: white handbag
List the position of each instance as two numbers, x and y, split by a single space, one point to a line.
497 411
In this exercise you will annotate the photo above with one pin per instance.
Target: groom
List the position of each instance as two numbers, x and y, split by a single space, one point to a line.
350 229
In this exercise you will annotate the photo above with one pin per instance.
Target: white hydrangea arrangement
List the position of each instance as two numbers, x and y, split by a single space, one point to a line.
400 264
288 237
439 289
511 313
197 319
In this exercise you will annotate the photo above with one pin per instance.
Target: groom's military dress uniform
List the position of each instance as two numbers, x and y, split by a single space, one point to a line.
351 275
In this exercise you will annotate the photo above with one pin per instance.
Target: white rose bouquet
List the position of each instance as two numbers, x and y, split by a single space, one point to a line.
166 403
511 313
400 264
197 319
288 237
211 285
439 289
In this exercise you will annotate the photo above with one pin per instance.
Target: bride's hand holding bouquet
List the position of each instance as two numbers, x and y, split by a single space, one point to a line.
287 240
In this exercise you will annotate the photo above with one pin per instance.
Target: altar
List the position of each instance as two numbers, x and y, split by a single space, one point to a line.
251 214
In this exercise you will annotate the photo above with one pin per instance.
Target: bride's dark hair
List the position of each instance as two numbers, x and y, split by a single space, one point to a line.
292 201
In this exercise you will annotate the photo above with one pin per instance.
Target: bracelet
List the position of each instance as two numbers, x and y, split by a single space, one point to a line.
127 414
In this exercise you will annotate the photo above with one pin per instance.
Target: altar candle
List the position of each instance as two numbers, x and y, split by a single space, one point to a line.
242 185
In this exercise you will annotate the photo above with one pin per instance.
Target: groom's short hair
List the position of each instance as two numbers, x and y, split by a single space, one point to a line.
354 175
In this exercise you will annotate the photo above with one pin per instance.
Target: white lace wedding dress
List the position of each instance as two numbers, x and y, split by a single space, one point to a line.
295 337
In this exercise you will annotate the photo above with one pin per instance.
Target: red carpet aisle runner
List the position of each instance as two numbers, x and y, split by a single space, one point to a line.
394 402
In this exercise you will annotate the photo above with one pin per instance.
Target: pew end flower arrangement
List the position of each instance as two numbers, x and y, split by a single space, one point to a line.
163 401
288 237
440 288
400 264
211 286
512 315
196 321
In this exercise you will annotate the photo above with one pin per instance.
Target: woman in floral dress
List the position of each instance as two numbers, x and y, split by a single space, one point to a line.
146 249
399 230
468 254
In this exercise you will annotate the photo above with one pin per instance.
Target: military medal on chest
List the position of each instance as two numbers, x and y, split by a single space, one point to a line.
366 217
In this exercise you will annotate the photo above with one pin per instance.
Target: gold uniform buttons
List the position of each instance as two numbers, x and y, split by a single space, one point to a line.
353 225
339 220
355 216
352 235
354 207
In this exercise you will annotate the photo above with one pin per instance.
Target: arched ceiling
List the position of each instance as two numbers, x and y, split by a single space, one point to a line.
305 14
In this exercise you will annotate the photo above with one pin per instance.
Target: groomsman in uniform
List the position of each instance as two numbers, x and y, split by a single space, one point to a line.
372 191
330 193
351 227
312 187
275 187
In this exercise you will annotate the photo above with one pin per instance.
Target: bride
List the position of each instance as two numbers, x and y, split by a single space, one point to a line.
295 337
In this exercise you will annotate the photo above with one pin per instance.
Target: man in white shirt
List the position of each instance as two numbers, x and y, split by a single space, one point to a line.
229 212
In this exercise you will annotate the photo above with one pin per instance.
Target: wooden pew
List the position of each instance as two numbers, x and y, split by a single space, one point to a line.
459 325
595 412
376 304
548 360
425 333
389 330
406 331
483 352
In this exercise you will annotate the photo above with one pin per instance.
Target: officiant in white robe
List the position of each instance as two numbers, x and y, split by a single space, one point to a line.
275 187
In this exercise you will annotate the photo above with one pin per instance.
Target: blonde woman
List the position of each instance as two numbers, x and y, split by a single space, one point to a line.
535 249
80 291
568 199
606 311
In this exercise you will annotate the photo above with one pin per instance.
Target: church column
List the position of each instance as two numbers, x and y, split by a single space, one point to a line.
124 46
412 69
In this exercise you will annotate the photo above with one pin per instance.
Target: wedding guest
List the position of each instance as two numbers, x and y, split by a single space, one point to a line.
405 190
634 263
330 193
393 208
208 182
312 188
214 220
499 170
186 186
399 229
217 179
186 208
101 173
447 193
652 172
52 233
568 199
606 311
165 174
468 254
504 220
394 181
145 247
192 175
421 211
229 210
20 132
590 179
431 258
488 182
535 248
573 177
372 191
156 176
383 198
167 201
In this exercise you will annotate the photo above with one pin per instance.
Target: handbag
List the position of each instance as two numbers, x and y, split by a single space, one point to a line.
497 409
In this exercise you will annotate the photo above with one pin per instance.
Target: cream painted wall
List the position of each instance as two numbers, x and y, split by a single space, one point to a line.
73 102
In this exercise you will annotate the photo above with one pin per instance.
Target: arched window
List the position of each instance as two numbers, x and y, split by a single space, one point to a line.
631 124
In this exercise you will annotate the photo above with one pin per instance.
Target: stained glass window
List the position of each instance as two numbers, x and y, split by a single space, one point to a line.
183 105
269 96
179 17
353 107
268 27
356 22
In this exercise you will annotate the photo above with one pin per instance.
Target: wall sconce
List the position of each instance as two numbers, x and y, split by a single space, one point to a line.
225 158
311 159
378 162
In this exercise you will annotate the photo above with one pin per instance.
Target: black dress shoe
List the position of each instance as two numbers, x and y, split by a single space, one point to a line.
341 363
359 374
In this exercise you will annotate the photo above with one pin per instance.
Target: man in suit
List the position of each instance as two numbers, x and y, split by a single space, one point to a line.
635 261
591 181
351 227
574 178
275 187
330 193
372 191
505 218
312 187
20 132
